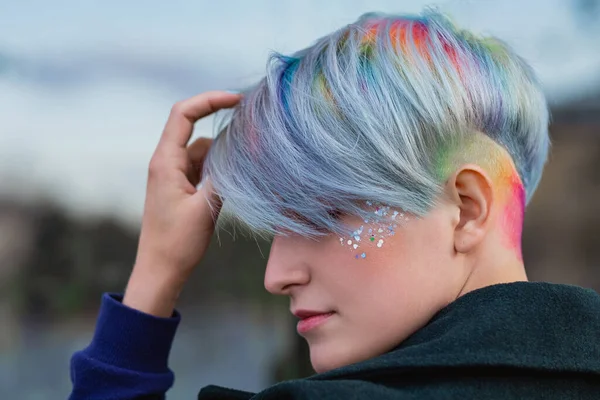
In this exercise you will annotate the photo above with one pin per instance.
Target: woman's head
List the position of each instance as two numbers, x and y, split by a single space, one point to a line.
389 160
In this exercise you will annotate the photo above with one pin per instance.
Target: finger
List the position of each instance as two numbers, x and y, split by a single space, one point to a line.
184 114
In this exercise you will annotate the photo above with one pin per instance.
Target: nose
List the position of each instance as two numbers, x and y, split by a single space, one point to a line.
286 267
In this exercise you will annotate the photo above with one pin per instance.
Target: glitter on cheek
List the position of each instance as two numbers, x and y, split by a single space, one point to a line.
376 234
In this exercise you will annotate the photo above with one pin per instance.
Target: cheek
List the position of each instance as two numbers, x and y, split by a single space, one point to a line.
375 280
405 257
410 271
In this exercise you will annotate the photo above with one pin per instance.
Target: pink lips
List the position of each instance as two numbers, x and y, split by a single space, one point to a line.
309 322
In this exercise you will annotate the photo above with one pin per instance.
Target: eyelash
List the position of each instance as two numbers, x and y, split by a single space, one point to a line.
335 214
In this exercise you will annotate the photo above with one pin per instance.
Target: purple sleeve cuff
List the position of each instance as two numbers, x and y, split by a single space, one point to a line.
130 339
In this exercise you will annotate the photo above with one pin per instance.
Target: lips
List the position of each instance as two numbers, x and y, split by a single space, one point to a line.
311 319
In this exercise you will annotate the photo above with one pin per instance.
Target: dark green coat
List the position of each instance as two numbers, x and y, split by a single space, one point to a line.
524 340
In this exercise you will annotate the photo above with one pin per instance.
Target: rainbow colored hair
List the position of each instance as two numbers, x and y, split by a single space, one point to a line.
383 109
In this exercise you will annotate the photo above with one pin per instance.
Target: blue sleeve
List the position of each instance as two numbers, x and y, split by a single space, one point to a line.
128 355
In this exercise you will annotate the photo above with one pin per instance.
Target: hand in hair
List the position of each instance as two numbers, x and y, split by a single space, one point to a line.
179 217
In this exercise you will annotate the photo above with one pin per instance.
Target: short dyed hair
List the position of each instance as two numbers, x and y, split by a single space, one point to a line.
381 110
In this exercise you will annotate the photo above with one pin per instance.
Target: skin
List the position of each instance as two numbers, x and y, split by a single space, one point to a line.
377 301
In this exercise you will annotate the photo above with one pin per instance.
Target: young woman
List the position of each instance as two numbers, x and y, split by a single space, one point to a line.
392 162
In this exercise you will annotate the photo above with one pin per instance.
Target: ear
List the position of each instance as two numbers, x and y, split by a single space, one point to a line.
471 190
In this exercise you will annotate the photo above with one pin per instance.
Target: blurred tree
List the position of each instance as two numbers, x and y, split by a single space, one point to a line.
71 262
48 266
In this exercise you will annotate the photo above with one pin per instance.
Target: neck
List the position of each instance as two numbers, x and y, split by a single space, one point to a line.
492 264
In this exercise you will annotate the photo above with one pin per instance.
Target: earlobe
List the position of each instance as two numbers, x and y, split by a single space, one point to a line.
471 190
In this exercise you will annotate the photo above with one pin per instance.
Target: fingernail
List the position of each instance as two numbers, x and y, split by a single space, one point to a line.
233 91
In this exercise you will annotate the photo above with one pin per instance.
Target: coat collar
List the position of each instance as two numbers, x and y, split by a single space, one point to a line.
530 325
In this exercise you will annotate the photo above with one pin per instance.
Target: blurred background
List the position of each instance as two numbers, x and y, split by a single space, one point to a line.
85 89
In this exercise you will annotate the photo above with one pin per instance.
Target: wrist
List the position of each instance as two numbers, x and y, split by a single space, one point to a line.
152 291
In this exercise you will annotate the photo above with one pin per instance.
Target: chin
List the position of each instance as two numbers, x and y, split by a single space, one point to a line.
326 355
321 366
326 359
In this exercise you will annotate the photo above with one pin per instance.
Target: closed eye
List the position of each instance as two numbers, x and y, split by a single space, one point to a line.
333 213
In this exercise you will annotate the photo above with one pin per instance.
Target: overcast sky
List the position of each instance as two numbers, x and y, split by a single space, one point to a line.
86 86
